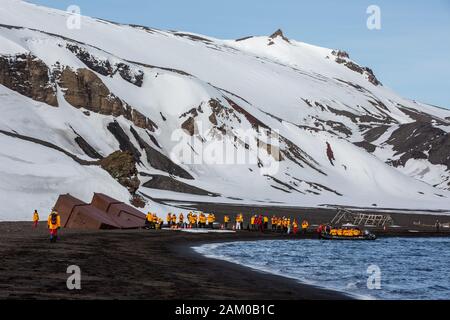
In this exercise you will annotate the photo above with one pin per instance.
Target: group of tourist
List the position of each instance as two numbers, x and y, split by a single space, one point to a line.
208 220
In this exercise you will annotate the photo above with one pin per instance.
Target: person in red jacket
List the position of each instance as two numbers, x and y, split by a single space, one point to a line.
330 154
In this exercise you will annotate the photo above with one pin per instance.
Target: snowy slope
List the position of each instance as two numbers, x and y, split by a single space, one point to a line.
309 95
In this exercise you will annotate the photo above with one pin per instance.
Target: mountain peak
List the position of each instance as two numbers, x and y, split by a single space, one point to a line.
279 33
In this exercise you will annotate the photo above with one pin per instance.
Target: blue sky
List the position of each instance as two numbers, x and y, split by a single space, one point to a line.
410 54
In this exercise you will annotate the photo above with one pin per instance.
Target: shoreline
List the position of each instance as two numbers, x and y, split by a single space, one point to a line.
136 265
140 265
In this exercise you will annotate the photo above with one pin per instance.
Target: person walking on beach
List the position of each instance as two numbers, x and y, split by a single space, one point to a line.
169 219
149 222
305 226
266 222
438 226
252 223
35 219
239 221
54 224
195 220
295 226
181 220
226 220
211 220
261 223
274 223
330 154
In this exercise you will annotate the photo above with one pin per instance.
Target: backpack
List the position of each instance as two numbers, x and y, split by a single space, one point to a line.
54 218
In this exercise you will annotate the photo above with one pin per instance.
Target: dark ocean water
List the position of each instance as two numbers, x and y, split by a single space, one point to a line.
391 268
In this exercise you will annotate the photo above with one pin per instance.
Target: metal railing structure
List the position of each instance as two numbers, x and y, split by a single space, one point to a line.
345 216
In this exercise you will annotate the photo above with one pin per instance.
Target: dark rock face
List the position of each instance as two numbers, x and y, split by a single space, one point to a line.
343 57
122 167
87 148
340 54
366 145
159 161
126 73
84 89
28 76
102 67
416 140
124 141
168 183
105 68
189 126
374 133
279 33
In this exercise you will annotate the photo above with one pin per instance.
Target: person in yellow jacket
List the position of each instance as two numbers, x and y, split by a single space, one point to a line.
305 226
181 220
174 220
279 224
54 224
159 223
149 222
226 220
195 220
239 221
35 219
266 222
252 223
202 220
211 220
273 222
169 219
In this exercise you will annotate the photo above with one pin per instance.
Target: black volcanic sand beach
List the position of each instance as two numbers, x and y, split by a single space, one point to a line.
135 264
141 264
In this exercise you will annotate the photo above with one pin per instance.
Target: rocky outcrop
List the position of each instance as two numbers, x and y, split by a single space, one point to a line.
104 67
159 161
279 34
84 89
343 58
122 167
28 76
421 140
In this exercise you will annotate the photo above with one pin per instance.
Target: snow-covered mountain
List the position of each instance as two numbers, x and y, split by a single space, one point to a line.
70 99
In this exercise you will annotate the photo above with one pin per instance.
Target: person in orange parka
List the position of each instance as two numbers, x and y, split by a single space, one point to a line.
35 219
330 154
54 224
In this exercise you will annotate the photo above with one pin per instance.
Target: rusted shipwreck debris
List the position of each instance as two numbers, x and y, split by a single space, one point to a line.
102 213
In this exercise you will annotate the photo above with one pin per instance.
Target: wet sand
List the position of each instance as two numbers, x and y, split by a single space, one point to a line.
135 264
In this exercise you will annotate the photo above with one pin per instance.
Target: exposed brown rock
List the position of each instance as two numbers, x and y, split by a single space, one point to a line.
366 145
28 76
122 167
279 33
342 57
189 126
417 140
340 54
84 89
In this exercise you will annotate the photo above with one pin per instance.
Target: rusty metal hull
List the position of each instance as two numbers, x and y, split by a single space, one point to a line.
104 212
